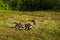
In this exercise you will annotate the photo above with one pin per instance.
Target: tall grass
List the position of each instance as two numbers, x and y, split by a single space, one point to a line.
47 27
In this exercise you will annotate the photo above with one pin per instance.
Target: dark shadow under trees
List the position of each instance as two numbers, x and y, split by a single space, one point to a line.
32 5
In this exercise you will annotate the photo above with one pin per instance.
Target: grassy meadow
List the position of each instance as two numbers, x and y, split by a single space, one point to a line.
47 27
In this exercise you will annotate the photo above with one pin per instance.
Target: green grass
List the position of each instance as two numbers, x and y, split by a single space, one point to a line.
47 27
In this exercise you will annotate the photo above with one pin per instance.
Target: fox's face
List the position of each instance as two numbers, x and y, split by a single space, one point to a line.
33 22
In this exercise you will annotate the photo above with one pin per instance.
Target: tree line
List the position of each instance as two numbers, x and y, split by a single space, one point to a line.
30 5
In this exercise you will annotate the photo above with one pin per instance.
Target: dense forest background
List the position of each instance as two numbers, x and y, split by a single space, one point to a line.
30 5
